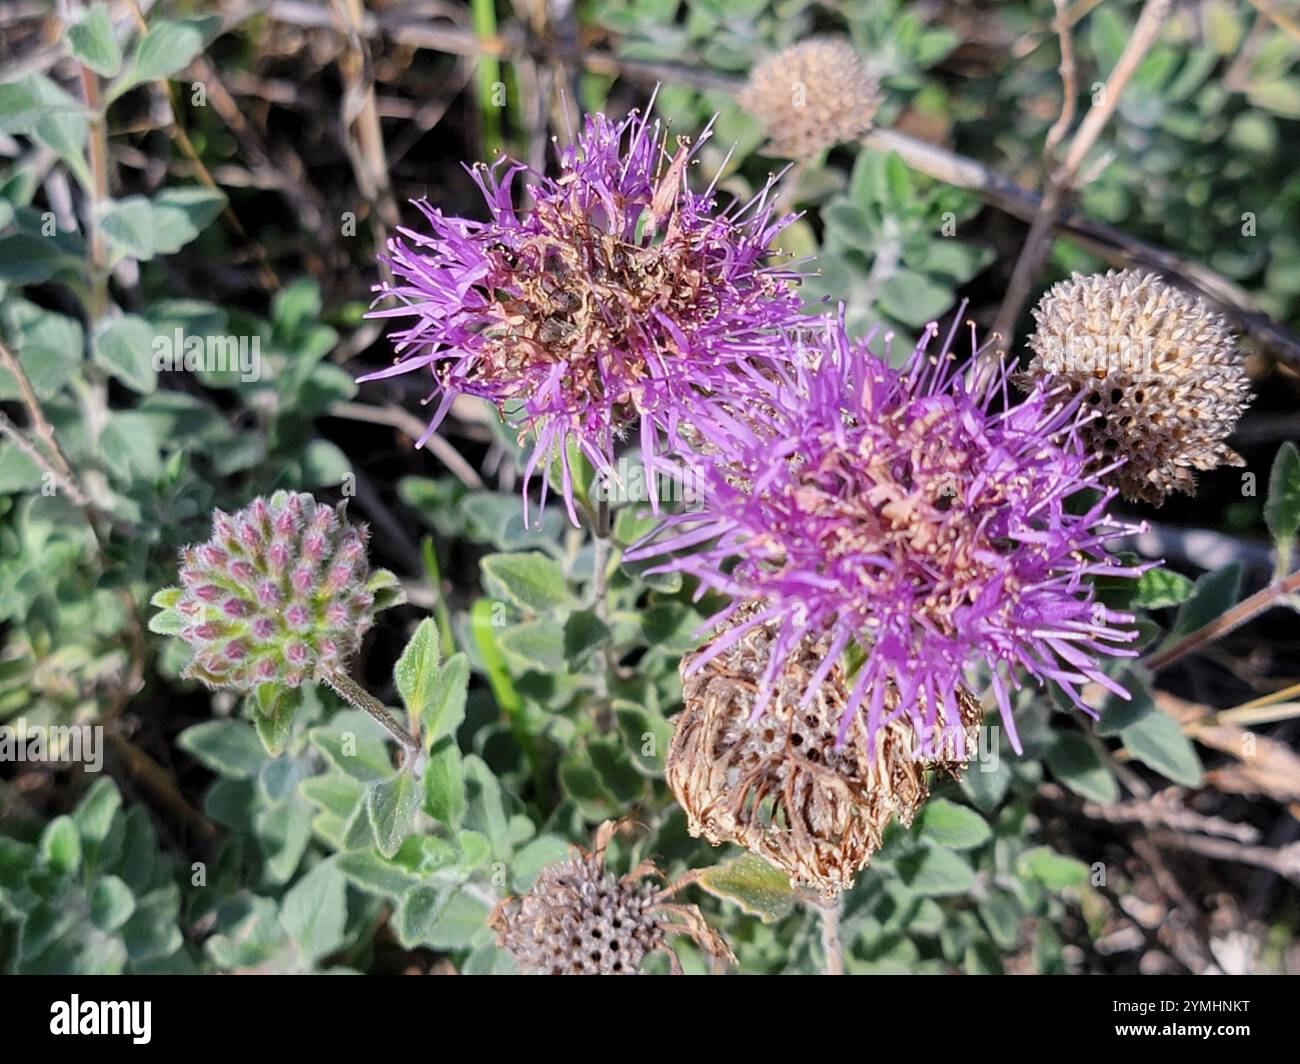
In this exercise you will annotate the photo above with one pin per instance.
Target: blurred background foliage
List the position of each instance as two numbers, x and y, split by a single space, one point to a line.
230 169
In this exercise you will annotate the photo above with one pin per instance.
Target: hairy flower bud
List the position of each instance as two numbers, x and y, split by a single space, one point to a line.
255 613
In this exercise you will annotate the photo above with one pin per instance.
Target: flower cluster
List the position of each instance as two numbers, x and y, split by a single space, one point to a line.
913 514
282 593
613 302
878 533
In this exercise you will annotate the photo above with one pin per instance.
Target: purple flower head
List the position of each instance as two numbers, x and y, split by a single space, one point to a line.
615 298
908 513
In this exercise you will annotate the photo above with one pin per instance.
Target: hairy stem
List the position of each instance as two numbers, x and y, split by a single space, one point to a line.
831 945
1276 594
355 695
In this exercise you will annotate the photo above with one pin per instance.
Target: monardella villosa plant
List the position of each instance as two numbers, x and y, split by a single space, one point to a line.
908 514
612 302
281 593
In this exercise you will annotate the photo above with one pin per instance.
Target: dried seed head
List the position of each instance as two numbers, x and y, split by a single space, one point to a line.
1159 369
581 919
811 96
779 786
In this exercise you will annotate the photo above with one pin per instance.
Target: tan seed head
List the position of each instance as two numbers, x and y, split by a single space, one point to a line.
1157 367
811 96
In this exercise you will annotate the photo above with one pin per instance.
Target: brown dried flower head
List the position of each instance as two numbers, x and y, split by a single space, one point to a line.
581 919
1157 366
811 96
778 786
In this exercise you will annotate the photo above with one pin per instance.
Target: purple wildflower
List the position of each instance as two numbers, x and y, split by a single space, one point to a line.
911 513
616 299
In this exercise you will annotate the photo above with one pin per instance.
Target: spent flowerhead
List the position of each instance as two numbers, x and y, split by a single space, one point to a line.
601 302
281 593
781 786
910 514
811 96
1159 370
580 918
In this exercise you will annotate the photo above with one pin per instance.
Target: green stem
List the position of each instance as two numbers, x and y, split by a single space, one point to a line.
441 615
503 689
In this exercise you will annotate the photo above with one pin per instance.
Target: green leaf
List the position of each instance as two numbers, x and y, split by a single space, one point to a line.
92 41
444 785
418 914
426 855
167 597
50 353
314 911
324 464
913 298
142 228
1282 508
95 815
111 903
1158 588
1075 763
274 707
361 755
531 859
584 633
1158 742
391 806
530 580
536 644
168 46
1118 713
416 671
1053 870
1282 97
21 106
128 223
458 923
946 823
936 872
485 810
443 715
759 888
230 748
124 347
367 871
61 845
982 958
1213 594
168 622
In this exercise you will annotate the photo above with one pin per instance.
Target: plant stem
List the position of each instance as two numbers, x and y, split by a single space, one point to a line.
601 544
355 695
1062 182
831 945
1276 594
